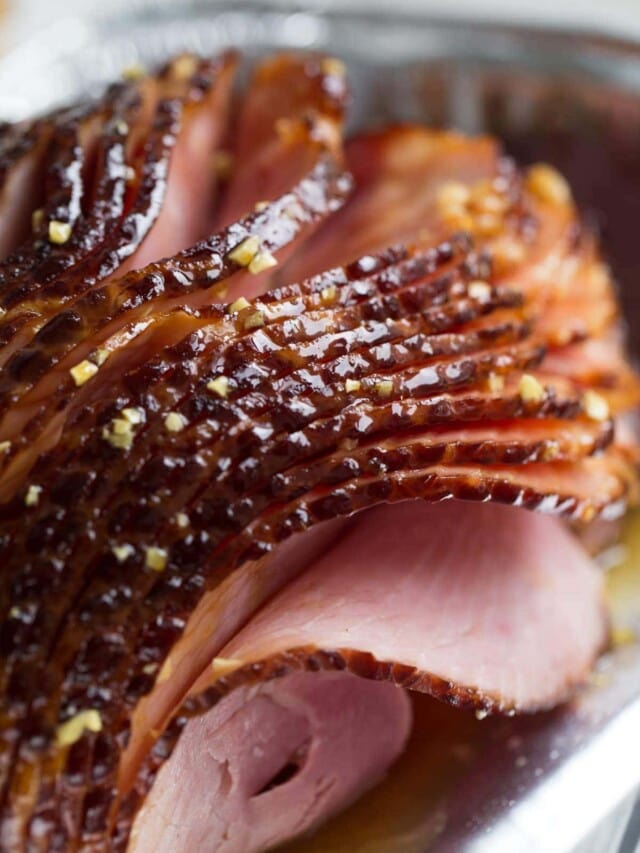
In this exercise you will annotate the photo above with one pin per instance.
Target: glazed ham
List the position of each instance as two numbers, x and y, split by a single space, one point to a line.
242 368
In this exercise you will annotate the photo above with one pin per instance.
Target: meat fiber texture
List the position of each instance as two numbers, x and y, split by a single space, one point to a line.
289 426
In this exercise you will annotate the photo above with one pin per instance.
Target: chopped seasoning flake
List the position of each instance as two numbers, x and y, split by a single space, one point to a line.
37 218
261 262
32 498
119 434
530 390
134 71
495 383
479 290
334 67
595 406
122 127
156 558
184 66
219 386
134 414
239 305
352 385
175 422
59 232
245 251
72 730
15 613
5 446
223 666
547 184
328 294
129 174
83 372
254 320
481 714
259 206
384 387
182 519
100 356
453 195
123 552
150 668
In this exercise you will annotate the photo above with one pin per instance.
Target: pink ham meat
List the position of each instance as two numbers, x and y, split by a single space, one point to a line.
477 604
335 732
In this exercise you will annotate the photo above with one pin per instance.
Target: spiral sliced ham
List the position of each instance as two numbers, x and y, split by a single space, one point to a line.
221 463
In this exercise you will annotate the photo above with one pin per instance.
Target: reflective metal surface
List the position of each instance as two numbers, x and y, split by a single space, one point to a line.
561 782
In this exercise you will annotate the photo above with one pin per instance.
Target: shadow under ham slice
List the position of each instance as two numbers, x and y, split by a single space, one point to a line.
480 605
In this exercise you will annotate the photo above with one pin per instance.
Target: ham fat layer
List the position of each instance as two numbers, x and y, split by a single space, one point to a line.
288 427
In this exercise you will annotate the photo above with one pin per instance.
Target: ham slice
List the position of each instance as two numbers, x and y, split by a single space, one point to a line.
476 604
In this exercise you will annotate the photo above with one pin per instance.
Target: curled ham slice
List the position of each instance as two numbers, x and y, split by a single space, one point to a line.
479 605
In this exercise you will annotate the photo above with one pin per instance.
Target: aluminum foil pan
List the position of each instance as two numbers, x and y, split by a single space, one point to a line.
554 783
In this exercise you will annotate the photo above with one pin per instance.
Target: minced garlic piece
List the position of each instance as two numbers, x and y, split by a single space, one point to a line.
129 174
384 387
119 434
530 390
182 519
37 218
4 446
123 552
452 195
547 184
245 251
328 294
332 66
239 305
254 321
175 422
156 558
134 414
150 668
479 290
352 385
72 730
595 406
134 71
261 262
59 232
121 426
259 206
122 127
15 613
495 383
32 498
219 386
223 666
184 66
100 356
83 372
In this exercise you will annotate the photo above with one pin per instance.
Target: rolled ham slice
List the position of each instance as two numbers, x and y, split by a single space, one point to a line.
479 605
